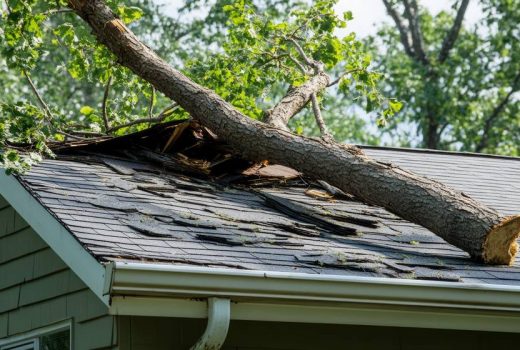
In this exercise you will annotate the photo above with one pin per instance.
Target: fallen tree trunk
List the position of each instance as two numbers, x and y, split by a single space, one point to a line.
460 220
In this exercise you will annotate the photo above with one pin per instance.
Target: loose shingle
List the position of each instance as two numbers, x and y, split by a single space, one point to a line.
135 211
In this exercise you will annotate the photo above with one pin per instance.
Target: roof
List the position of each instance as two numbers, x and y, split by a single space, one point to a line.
125 201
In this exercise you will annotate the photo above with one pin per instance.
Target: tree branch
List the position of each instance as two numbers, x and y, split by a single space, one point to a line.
163 115
298 64
403 33
515 86
338 79
319 118
57 11
39 97
104 105
411 13
309 62
294 101
452 35
150 106
298 97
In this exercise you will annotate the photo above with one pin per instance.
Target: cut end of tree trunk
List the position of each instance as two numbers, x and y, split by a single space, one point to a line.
501 244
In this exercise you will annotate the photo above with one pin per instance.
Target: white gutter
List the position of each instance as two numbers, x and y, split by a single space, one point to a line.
218 325
146 289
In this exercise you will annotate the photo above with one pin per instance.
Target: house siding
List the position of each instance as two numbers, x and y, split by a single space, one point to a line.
144 333
37 289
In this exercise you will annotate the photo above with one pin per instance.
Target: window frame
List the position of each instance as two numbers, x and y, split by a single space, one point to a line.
31 340
32 344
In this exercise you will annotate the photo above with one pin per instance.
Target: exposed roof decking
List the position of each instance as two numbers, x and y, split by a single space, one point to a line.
230 227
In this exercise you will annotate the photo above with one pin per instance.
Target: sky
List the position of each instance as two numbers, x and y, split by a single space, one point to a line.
368 13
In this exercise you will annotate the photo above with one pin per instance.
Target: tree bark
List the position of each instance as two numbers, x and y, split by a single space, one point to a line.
295 100
461 221
411 12
450 39
403 31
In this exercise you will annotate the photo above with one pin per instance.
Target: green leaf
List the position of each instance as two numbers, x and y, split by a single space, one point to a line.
86 110
129 14
395 106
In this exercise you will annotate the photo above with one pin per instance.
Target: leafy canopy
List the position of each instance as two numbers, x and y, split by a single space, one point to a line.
469 100
63 85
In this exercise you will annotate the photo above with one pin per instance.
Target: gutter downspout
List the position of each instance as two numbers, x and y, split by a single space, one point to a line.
219 315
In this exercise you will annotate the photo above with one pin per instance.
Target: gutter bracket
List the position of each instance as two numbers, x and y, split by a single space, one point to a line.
219 315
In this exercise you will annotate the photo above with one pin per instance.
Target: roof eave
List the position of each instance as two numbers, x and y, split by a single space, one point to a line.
54 234
175 291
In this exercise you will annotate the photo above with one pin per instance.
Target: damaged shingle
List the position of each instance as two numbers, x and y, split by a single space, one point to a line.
196 207
377 264
336 224
147 226
111 202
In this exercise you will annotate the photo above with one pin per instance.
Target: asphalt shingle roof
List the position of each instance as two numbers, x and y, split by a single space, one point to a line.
128 210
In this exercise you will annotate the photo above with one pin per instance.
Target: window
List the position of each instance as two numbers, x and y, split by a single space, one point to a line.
52 338
55 341
26 345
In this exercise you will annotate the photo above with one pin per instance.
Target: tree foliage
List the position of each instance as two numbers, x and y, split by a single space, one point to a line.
63 85
459 83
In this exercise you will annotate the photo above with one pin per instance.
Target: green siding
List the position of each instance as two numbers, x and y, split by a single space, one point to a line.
37 289
20 243
3 325
3 203
144 333
97 334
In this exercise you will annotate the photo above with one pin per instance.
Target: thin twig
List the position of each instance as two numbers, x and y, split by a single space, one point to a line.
150 106
39 97
319 118
104 105
71 135
56 11
163 115
273 58
298 47
338 79
298 64
84 133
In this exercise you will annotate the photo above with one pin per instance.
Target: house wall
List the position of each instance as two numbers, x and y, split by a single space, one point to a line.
37 289
140 333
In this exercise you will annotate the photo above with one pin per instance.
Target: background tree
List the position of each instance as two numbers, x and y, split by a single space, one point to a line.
460 83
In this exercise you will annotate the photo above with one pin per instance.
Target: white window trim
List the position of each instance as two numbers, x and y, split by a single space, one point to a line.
32 337
33 344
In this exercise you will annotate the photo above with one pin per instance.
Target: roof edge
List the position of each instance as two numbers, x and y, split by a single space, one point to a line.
149 289
54 234
438 151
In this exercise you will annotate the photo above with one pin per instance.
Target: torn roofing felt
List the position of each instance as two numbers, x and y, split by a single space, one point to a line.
175 193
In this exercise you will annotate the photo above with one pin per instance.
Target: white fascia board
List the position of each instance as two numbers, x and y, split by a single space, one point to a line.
324 313
57 237
146 289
